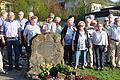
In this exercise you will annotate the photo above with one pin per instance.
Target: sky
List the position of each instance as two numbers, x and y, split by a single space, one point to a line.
114 0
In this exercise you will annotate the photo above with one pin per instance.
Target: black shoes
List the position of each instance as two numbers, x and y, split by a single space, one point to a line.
10 68
99 69
17 68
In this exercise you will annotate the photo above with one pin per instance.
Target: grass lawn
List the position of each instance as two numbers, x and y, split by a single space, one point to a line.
107 74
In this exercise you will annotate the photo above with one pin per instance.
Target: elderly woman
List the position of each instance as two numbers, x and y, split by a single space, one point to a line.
58 26
80 44
100 42
31 30
49 26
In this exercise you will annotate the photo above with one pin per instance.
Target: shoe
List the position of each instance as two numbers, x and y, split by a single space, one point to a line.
85 64
83 67
10 68
101 69
91 67
75 67
2 71
97 69
17 68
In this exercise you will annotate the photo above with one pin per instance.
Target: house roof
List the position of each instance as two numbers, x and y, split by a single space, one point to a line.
111 8
105 13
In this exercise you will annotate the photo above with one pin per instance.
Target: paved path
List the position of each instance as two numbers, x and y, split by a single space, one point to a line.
13 75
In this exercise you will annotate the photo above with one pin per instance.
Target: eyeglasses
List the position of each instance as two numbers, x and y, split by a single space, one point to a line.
51 17
80 25
106 20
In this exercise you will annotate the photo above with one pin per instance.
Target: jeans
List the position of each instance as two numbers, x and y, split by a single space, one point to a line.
83 54
68 54
15 44
28 49
99 52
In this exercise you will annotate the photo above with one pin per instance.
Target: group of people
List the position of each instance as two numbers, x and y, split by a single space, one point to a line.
16 33
87 40
92 42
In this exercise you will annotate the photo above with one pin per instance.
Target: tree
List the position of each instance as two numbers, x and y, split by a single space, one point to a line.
83 6
19 5
41 8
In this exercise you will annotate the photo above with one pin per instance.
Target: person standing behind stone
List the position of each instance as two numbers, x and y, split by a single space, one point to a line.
30 14
12 40
30 31
114 43
100 43
49 26
80 44
58 26
66 40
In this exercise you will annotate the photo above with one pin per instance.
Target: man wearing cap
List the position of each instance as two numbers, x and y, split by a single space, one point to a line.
30 14
11 33
21 20
30 31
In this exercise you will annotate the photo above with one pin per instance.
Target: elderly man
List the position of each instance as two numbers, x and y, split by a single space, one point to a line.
21 20
114 43
11 33
30 14
30 31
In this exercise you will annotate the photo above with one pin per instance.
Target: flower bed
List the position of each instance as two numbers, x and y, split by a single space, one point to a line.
60 72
